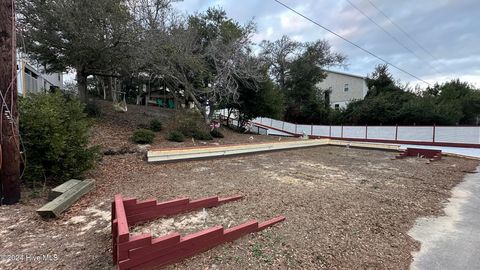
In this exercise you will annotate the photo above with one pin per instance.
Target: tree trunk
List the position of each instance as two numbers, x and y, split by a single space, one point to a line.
113 85
114 90
97 85
282 79
82 86
139 98
212 110
108 90
199 106
9 140
229 112
102 82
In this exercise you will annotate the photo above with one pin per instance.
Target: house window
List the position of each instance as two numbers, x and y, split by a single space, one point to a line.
337 106
345 87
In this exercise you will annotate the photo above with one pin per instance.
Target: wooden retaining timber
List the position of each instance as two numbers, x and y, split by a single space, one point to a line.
59 190
143 251
221 151
167 155
367 145
66 199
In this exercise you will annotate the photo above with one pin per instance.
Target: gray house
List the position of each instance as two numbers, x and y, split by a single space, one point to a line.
343 88
32 78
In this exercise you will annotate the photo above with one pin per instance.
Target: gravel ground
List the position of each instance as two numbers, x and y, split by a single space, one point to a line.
345 208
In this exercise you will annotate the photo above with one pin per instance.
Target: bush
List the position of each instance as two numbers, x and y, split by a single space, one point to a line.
155 125
92 109
55 132
216 133
175 136
143 136
189 122
202 135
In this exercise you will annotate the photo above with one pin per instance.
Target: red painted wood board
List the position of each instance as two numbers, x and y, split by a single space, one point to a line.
121 218
141 251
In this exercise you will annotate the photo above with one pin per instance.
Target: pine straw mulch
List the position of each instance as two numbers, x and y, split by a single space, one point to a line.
112 131
345 209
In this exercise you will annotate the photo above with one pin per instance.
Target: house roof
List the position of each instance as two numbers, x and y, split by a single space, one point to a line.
346 74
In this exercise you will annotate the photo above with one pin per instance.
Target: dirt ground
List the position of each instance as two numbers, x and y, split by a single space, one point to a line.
113 130
344 209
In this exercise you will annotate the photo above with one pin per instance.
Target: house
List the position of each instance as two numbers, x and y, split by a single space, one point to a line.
343 88
32 78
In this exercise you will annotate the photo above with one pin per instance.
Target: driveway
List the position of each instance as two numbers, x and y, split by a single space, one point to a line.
452 241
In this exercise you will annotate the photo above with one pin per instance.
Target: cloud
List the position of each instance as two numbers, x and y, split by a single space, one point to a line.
447 28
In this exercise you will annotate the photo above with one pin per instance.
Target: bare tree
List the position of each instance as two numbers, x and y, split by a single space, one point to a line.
201 64
277 55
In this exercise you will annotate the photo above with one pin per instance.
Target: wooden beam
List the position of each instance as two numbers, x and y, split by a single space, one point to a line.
121 220
144 252
64 201
222 151
59 190
173 248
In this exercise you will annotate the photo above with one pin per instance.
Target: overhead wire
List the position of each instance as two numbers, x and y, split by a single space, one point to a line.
352 43
399 42
403 31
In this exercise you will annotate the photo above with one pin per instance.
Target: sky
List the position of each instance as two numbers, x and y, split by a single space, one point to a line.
449 30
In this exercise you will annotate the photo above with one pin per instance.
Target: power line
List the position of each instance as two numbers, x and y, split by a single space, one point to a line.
351 42
403 31
392 36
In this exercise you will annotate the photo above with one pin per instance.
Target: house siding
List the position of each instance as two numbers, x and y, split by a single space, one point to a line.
336 82
31 80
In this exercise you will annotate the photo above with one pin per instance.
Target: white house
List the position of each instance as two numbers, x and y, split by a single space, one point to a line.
32 78
343 88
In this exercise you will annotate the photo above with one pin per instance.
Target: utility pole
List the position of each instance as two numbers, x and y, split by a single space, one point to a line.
9 139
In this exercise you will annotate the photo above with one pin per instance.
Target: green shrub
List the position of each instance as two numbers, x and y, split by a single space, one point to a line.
202 135
216 133
55 132
189 122
92 109
175 136
155 125
143 136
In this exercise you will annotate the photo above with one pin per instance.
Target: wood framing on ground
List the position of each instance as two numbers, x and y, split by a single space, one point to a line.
177 154
144 251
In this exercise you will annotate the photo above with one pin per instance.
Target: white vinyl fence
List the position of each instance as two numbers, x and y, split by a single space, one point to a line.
451 135
254 129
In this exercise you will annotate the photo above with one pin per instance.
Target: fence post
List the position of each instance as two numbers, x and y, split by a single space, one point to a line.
396 132
434 129
341 136
366 132
295 128
311 129
271 122
330 131
283 125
